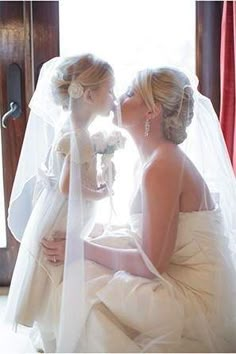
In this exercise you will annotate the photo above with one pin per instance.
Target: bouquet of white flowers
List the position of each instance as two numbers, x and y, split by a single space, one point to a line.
106 145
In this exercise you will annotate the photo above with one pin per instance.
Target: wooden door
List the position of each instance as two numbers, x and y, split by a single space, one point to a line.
29 36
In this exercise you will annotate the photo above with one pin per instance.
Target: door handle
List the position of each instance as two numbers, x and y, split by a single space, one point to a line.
14 97
13 112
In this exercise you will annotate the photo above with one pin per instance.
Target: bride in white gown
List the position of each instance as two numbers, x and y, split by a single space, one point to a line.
166 281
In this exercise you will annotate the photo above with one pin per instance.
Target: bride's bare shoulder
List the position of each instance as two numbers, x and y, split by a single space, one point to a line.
165 159
164 173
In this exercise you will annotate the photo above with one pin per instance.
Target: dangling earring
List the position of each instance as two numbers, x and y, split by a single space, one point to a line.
147 127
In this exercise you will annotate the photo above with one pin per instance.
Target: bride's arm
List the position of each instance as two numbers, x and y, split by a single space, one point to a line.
161 190
116 259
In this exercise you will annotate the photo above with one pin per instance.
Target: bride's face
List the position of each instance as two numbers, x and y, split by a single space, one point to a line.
133 108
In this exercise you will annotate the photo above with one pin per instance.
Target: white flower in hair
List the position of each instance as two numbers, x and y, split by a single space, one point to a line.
75 89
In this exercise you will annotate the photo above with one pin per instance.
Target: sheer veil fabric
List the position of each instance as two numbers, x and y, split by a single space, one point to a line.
38 209
82 306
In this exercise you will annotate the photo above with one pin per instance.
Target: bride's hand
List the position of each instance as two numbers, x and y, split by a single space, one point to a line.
54 250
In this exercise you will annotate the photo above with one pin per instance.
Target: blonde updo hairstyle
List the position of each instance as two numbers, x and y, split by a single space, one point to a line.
88 70
171 88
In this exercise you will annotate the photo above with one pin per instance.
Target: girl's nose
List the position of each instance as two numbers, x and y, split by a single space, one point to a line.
121 99
115 104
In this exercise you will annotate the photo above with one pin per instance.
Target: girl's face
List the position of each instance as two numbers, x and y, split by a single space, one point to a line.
104 98
133 108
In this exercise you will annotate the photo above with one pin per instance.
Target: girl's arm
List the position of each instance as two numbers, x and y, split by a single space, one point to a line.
64 181
88 193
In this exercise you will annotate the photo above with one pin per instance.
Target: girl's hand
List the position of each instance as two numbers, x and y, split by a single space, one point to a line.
102 192
96 194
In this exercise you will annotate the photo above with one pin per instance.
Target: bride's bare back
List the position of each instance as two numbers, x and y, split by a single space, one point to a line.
194 194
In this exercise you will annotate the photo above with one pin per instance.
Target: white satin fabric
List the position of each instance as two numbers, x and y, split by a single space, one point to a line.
181 311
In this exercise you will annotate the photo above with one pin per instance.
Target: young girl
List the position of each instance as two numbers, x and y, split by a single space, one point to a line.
83 87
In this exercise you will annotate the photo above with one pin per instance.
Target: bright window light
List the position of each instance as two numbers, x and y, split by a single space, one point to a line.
130 35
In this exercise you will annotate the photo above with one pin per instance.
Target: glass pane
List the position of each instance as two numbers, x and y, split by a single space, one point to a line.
130 36
3 240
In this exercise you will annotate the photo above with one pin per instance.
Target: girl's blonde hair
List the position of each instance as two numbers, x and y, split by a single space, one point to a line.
86 69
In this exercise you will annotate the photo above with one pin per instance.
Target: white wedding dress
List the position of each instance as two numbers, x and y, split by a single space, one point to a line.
35 281
183 310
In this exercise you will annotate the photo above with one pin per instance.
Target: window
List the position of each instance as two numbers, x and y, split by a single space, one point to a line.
130 36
